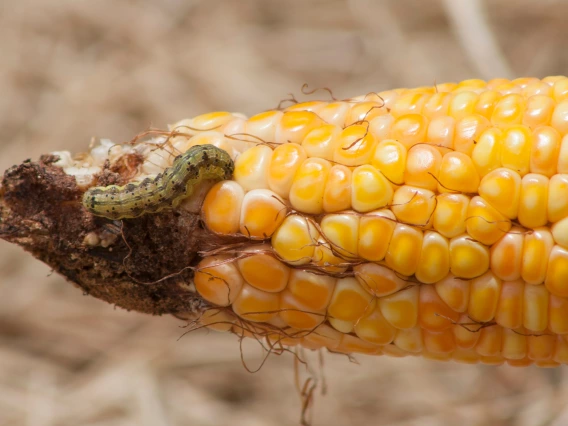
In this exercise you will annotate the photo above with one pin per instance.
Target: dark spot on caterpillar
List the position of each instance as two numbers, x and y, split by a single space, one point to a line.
166 190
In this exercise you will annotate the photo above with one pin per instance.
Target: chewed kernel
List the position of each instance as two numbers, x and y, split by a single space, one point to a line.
262 212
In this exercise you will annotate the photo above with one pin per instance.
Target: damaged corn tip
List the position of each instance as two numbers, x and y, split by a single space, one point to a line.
429 221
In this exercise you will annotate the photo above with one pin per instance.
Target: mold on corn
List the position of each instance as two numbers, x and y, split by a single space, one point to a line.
429 221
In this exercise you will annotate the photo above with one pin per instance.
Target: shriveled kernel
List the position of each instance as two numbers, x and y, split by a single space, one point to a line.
401 309
507 255
295 125
509 110
558 320
286 160
510 308
538 111
251 167
294 240
306 193
262 212
556 280
374 328
536 251
378 280
422 167
490 341
337 193
441 132
370 190
559 119
433 313
257 267
557 207
263 125
221 209
486 155
390 159
457 174
256 305
514 344
484 223
544 151
218 280
341 231
413 205
463 104
454 292
484 297
298 315
434 261
449 218
404 250
438 342
322 141
350 301
535 309
467 132
355 147
375 232
502 189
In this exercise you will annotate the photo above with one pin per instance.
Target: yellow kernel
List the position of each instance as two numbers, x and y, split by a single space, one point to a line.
454 292
409 129
544 151
486 103
374 328
484 223
502 189
306 193
516 149
559 119
401 308
409 103
510 307
364 112
556 280
535 308
484 297
335 113
486 155
251 167
557 198
294 240
465 333
370 190
355 147
457 174
558 320
286 160
507 254
560 232
380 127
560 90
218 280
422 167
390 158
378 279
532 201
468 259
313 290
490 341
434 261
404 250
538 111
263 125
437 105
467 132
295 125
449 218
264 272
509 110
441 132
296 314
337 193
409 340
438 343
413 206
536 251
262 212
433 313
256 305
514 344
322 141
463 104
350 301
221 209
375 233
341 231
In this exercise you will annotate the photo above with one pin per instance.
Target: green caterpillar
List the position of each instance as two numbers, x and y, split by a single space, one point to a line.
165 191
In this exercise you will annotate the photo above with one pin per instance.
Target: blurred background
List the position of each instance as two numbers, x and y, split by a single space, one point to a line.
74 70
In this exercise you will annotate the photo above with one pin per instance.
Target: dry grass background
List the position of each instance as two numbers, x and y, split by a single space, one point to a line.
72 70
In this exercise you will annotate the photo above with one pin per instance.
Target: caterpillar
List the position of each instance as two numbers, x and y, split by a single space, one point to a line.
166 190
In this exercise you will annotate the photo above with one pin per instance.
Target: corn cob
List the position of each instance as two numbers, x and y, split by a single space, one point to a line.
430 221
